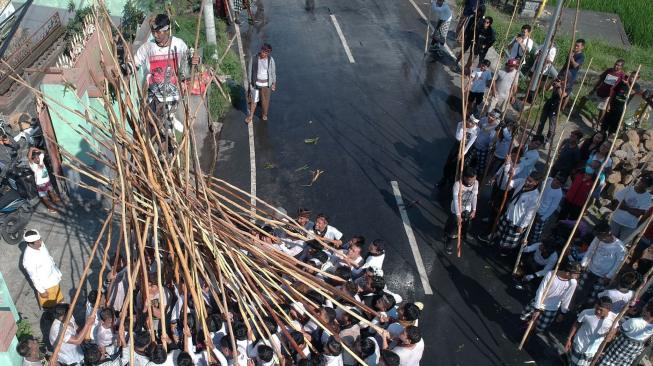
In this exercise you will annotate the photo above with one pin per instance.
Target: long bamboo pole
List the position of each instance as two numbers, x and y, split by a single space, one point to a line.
580 217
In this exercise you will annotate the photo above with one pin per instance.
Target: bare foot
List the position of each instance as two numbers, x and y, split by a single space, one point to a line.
248 120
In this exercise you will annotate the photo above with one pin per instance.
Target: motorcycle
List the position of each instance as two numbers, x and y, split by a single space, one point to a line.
163 99
32 135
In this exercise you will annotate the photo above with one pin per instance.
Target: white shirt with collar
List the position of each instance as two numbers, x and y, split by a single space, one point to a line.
637 329
527 162
550 200
68 353
521 209
546 263
592 331
604 259
410 356
41 268
472 133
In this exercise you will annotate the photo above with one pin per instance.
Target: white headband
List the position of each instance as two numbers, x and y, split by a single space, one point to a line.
33 237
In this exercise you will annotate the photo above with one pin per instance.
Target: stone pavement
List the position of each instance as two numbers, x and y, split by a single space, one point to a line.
69 236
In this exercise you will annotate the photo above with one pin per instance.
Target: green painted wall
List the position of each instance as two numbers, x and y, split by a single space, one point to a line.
65 121
11 357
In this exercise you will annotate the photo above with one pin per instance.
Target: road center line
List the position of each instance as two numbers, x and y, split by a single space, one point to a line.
418 9
411 239
342 39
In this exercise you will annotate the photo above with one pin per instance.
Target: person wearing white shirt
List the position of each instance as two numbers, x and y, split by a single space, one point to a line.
463 208
442 16
411 347
521 45
42 270
502 180
557 298
95 357
470 132
588 332
28 349
70 352
629 344
622 295
333 352
538 259
601 262
368 349
104 335
142 342
262 77
487 135
520 209
374 259
480 84
547 69
326 231
633 202
530 156
550 202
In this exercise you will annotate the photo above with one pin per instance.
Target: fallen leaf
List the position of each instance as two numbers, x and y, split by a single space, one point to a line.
312 141
460 348
302 168
269 166
316 176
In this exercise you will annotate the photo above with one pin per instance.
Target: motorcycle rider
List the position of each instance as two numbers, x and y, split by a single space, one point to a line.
164 58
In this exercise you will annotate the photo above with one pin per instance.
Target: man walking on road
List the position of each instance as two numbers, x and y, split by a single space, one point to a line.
443 19
262 78
42 270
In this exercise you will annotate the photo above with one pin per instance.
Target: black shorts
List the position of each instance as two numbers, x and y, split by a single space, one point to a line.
476 97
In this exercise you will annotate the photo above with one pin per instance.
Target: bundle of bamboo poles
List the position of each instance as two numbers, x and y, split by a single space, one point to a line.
197 229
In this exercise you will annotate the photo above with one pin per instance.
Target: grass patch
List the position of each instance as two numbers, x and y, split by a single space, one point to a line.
633 14
603 54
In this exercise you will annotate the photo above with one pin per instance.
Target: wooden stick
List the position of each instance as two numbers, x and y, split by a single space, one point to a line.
583 209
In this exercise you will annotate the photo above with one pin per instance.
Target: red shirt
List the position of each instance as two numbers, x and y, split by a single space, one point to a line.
609 79
579 190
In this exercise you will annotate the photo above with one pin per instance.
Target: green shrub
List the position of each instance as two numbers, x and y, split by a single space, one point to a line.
24 329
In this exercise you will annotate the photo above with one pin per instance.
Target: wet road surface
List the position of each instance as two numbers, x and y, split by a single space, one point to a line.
389 116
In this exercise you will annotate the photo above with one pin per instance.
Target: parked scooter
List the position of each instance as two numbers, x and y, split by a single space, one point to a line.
16 208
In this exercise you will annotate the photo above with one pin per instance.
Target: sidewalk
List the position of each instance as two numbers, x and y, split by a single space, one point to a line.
69 236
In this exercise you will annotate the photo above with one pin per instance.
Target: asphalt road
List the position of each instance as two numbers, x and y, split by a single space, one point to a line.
387 117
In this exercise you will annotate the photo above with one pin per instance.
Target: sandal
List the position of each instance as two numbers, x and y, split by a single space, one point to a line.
265 118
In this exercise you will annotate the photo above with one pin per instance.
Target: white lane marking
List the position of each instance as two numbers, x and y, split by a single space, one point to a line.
250 127
252 162
411 239
342 39
419 11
